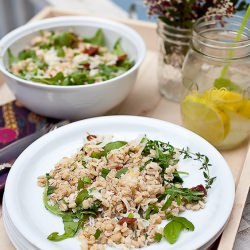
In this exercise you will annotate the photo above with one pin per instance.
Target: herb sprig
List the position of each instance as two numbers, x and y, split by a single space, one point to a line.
179 194
185 152
165 155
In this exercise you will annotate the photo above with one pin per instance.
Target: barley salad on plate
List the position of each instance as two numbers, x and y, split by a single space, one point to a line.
118 192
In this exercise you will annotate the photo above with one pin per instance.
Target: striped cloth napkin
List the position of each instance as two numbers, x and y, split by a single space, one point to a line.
16 122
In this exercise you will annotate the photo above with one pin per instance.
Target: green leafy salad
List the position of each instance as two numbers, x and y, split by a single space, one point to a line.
66 59
119 192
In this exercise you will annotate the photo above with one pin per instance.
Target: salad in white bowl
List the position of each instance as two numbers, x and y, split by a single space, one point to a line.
71 67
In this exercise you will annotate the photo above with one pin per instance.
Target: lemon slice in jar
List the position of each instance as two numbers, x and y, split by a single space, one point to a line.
202 117
245 109
224 98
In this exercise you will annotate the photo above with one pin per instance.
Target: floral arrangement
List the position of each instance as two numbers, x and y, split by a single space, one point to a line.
183 13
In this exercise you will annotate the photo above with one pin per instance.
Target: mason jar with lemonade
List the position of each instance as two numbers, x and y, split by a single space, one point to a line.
216 79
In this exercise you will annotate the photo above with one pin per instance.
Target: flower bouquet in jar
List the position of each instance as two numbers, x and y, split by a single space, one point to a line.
174 27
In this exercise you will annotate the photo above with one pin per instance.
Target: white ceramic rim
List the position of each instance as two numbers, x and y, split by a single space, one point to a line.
15 237
228 200
12 233
70 21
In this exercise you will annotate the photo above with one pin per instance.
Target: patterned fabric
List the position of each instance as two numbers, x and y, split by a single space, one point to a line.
16 121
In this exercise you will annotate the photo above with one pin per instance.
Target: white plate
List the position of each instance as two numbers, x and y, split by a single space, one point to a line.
24 198
15 236
21 243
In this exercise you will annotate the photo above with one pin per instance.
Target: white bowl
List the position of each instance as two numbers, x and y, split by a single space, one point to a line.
73 102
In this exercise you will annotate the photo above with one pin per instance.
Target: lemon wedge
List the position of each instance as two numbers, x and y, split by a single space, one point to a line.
200 115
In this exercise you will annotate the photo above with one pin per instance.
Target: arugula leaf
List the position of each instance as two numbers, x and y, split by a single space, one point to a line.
157 237
117 49
168 202
81 183
84 214
169 215
70 229
113 145
53 209
25 54
50 190
177 178
44 45
88 212
165 155
152 209
11 58
178 194
60 52
185 222
67 39
107 148
82 195
41 64
161 157
146 163
82 219
172 231
185 193
97 39
48 176
144 139
80 78
95 206
97 233
126 65
107 72
97 155
56 80
121 172
87 179
110 71
178 200
105 172
161 197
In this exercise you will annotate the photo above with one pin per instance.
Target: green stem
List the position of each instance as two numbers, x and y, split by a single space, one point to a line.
236 39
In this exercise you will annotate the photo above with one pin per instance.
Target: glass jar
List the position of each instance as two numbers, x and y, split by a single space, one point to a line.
174 43
216 80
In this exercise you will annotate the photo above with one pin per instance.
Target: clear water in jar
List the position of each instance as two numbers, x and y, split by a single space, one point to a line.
220 115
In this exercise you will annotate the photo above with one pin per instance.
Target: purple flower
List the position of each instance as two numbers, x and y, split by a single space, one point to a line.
183 13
